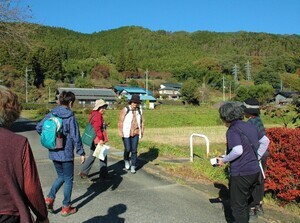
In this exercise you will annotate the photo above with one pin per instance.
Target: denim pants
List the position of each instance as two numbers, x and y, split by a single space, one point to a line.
131 145
240 188
87 165
65 175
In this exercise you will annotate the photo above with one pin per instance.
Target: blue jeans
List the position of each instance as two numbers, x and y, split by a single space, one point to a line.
87 165
65 175
131 145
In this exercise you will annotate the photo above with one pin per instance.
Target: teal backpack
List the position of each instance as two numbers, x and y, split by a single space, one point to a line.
51 136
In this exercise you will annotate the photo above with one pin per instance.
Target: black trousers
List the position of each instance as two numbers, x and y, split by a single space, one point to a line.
240 188
259 190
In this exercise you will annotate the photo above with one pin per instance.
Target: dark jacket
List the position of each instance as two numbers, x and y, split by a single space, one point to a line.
70 131
20 186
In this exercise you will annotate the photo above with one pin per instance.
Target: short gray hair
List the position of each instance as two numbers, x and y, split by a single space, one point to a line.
231 111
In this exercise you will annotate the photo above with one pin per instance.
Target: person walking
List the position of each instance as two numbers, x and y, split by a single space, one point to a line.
97 121
63 159
131 129
20 188
243 158
252 113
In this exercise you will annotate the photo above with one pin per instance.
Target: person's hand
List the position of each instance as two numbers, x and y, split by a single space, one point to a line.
120 134
44 221
101 142
220 161
82 159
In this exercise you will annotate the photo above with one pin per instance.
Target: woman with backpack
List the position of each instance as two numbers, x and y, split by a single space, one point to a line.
97 121
63 158
131 129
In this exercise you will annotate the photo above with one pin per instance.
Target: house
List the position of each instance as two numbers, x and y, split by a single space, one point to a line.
284 97
88 96
171 91
145 95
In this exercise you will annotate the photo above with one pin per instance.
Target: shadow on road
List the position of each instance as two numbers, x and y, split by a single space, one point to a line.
147 157
112 215
99 186
23 125
224 199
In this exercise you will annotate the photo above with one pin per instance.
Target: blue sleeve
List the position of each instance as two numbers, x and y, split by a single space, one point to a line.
75 135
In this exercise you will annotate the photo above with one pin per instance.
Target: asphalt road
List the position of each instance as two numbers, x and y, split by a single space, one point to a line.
144 197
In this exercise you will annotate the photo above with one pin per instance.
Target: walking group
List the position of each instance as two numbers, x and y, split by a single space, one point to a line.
20 185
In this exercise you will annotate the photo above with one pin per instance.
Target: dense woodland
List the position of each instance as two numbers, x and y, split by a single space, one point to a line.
59 57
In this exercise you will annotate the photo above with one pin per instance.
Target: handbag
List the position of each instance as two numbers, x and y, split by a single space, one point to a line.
101 151
89 134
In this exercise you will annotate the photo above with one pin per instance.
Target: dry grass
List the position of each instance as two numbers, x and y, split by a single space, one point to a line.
181 136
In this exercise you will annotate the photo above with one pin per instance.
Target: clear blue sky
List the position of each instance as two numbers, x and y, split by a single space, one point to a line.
88 16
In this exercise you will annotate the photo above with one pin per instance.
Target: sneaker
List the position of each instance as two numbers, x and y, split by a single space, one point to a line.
252 213
66 211
259 209
127 164
132 169
83 175
49 204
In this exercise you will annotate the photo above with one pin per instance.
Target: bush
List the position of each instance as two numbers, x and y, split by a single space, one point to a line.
283 172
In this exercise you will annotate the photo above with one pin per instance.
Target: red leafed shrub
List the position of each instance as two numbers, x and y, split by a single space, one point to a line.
283 165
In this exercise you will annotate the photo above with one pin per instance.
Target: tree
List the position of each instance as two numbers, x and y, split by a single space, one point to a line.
267 75
190 92
13 28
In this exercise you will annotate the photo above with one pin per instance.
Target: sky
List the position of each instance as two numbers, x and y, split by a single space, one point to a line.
89 16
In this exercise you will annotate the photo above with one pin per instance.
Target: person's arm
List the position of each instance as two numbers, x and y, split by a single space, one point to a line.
75 136
97 125
263 146
32 186
234 153
121 120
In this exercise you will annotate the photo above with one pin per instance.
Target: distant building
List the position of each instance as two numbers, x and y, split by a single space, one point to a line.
170 90
88 96
144 94
284 97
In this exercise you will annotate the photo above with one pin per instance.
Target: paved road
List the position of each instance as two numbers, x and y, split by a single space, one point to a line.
144 197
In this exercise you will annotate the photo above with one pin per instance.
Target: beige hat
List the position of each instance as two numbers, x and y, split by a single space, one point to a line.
99 103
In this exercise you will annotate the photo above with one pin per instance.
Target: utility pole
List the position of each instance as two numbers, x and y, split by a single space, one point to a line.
248 74
147 82
235 73
26 83
223 86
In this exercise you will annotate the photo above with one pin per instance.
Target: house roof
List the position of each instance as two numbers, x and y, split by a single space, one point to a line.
136 90
91 93
143 98
287 94
172 85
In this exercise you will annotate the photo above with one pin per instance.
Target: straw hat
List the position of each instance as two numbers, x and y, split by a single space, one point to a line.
99 103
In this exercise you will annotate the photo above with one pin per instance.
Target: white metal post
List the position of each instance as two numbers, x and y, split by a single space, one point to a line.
191 145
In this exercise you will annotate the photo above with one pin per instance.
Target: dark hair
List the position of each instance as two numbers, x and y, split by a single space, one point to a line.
231 111
66 97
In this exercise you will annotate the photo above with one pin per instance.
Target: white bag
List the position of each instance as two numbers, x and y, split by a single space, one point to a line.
101 151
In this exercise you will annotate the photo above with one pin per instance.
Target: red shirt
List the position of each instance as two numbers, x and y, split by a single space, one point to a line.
20 187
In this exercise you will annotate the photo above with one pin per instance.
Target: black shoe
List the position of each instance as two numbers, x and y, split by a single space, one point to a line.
252 213
259 210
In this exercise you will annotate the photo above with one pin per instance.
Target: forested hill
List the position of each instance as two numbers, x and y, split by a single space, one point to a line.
64 55
162 51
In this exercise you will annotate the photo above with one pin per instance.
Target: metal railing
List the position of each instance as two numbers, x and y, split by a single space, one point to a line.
191 145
